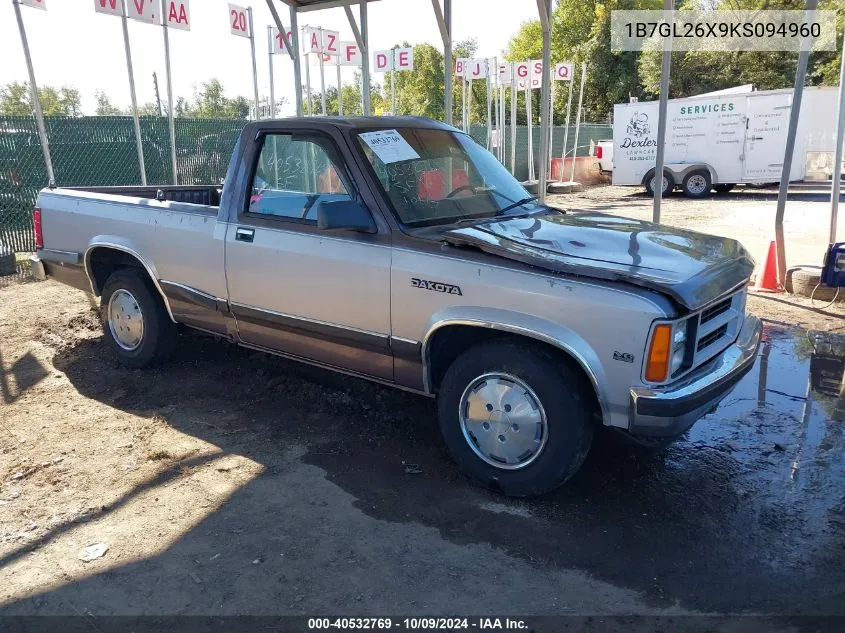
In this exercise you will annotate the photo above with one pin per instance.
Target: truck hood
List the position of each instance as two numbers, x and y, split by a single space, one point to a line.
690 267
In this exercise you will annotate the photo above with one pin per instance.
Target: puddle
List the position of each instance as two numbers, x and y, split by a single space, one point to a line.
727 519
784 427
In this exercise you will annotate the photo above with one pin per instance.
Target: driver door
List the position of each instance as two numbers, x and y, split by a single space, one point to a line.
319 295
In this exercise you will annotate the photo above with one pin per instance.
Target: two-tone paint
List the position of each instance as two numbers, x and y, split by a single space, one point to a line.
353 301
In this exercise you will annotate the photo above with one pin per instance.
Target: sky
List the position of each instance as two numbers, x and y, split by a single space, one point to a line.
73 45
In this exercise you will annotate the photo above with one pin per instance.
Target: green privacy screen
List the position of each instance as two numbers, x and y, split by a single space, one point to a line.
100 151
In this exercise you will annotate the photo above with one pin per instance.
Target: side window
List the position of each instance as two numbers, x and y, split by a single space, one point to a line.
293 175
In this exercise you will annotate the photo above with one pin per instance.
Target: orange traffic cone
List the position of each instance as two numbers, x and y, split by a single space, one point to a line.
768 281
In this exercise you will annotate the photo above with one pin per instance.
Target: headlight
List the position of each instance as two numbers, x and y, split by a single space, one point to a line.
679 346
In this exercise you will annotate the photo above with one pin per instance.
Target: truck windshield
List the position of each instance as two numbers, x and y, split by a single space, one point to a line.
436 176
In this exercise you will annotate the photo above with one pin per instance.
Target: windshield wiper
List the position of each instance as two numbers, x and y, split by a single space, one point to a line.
516 204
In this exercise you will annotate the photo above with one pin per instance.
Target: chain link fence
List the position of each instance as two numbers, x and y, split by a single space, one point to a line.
589 133
100 151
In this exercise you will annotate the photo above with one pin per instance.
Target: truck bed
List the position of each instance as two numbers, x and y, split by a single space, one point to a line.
206 195
175 238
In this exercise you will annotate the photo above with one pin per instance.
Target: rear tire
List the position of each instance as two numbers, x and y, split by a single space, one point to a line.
8 265
536 411
135 321
697 184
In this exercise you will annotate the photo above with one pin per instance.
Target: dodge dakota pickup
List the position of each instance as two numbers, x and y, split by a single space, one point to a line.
401 251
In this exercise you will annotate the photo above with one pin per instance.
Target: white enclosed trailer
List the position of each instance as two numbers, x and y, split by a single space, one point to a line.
717 140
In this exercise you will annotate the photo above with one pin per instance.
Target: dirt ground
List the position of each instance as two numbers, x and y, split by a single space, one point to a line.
230 482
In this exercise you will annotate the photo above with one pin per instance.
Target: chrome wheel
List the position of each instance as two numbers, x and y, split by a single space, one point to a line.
126 321
697 184
503 421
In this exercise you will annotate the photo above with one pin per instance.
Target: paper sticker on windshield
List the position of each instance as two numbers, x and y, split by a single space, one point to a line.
389 146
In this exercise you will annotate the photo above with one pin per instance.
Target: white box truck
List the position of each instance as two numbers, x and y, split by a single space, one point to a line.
717 140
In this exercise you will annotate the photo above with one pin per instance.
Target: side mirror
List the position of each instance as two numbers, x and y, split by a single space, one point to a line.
345 214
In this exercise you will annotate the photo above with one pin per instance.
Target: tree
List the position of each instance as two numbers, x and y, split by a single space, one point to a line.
581 33
149 109
64 101
351 99
694 72
210 102
421 91
104 106
15 100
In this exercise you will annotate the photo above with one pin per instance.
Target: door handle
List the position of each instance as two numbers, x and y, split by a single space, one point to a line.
244 235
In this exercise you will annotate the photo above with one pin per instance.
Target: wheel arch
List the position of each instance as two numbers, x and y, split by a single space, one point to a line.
489 323
682 170
647 176
104 255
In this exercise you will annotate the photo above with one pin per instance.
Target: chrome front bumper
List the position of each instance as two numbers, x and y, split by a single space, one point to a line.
672 409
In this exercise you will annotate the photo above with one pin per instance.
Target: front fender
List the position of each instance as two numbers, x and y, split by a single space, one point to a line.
520 324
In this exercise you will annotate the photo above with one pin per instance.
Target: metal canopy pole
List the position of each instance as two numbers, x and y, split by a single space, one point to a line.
297 62
529 115
660 158
392 82
444 22
578 118
552 127
322 74
545 9
308 83
467 103
837 154
795 111
270 62
292 49
361 47
36 101
501 98
170 123
571 83
254 66
514 93
138 142
365 58
339 88
489 109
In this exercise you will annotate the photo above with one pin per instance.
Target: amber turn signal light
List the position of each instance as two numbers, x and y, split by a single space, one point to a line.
659 354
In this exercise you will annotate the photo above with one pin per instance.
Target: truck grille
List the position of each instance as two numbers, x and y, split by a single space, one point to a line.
713 311
706 341
717 326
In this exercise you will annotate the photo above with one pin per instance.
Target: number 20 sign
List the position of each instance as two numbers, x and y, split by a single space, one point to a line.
239 21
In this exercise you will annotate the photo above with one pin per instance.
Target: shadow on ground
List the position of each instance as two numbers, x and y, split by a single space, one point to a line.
722 521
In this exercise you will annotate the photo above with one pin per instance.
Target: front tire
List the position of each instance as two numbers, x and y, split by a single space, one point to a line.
135 321
668 183
515 417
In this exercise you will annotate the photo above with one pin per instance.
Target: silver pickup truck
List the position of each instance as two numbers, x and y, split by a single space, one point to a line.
400 250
